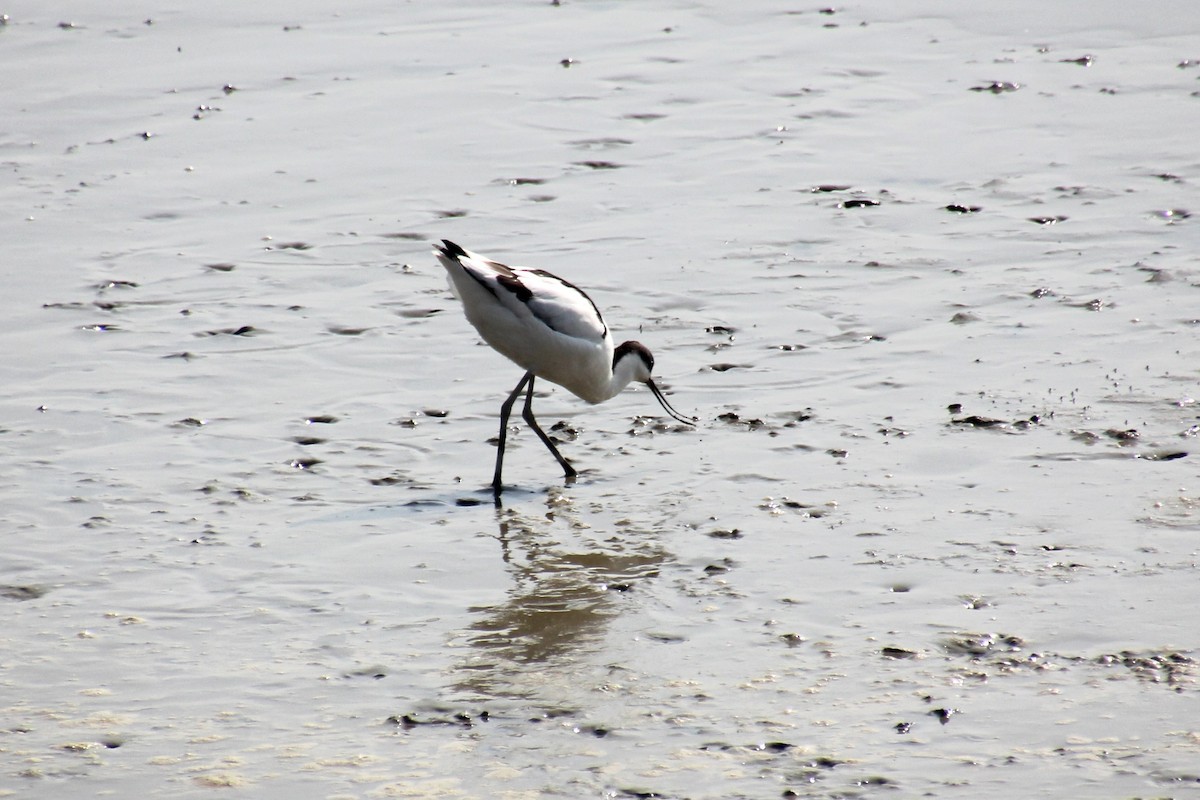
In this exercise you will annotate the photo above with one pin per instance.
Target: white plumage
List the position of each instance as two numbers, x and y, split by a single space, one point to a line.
551 329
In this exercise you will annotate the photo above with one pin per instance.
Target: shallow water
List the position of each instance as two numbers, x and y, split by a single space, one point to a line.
928 277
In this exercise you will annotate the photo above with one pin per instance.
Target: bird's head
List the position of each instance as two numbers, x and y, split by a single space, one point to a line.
637 362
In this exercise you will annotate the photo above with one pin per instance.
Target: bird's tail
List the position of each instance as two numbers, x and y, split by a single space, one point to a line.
449 250
449 254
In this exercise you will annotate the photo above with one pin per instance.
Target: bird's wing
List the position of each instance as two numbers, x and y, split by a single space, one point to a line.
557 304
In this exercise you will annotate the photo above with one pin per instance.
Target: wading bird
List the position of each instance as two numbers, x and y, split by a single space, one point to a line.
552 330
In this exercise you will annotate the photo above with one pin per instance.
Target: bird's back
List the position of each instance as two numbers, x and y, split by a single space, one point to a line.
539 321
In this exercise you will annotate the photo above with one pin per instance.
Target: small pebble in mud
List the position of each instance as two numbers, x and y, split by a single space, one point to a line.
567 63
1083 61
566 431
898 653
978 422
954 408
1054 220
1173 214
593 730
980 644
725 533
902 727
733 419
858 202
1041 292
960 209
598 164
244 330
830 187
1170 456
320 419
458 719
27 592
303 463
792 639
723 330
944 714
997 87
389 480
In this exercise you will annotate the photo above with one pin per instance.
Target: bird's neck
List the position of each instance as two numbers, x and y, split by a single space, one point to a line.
624 372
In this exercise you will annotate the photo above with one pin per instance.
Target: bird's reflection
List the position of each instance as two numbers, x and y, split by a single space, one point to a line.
570 579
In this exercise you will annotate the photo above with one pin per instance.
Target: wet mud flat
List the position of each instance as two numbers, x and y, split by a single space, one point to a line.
928 277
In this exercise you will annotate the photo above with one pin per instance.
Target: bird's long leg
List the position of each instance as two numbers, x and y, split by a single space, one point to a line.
527 415
505 411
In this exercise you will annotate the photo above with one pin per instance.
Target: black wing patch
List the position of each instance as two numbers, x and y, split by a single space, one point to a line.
514 285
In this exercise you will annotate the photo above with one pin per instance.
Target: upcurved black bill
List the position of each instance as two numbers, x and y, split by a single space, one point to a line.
662 401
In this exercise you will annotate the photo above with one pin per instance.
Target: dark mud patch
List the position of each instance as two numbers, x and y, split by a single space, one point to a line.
22 592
